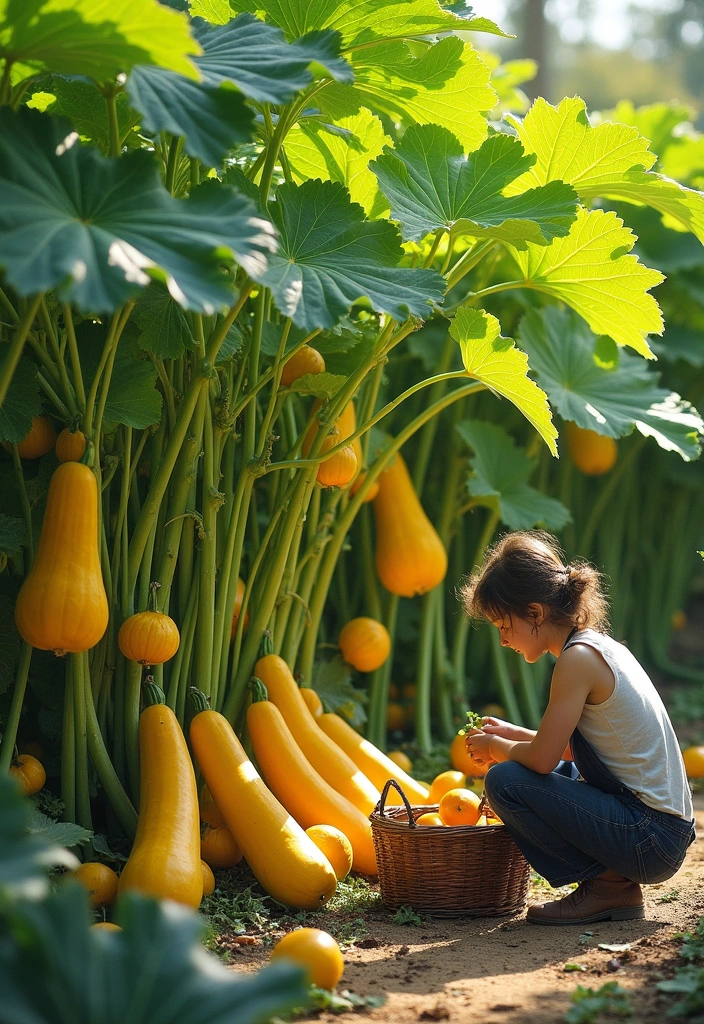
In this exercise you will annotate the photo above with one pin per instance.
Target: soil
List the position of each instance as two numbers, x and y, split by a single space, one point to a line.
504 970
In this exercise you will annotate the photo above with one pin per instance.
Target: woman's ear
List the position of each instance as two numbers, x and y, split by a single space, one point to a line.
537 612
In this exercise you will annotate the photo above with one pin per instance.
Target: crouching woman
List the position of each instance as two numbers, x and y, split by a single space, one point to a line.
599 794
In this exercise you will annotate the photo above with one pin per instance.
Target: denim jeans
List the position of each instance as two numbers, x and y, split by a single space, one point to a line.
570 828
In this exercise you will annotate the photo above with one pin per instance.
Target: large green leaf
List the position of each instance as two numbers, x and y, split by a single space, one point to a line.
258 60
360 21
502 367
155 969
314 151
656 121
22 402
560 348
24 858
330 256
97 229
500 474
164 329
447 85
431 184
610 160
591 270
132 398
210 120
98 38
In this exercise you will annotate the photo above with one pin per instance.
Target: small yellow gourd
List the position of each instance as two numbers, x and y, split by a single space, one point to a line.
70 446
365 643
306 360
593 454
150 638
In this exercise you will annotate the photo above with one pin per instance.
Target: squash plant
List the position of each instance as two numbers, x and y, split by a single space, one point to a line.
188 199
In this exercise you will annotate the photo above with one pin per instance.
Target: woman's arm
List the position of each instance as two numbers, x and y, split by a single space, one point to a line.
572 681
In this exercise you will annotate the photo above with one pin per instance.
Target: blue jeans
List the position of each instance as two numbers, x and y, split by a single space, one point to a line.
569 829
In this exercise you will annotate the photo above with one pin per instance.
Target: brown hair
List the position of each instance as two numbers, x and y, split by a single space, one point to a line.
527 566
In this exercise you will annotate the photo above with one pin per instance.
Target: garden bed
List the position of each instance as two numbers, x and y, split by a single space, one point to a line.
480 970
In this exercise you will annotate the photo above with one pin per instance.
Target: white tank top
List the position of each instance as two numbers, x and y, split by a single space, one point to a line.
632 732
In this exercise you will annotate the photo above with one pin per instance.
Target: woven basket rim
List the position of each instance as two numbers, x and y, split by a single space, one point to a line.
396 819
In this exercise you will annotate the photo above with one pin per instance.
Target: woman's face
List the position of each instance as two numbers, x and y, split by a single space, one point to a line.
522 636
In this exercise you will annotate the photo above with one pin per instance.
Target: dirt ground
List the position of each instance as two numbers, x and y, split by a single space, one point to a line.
505 971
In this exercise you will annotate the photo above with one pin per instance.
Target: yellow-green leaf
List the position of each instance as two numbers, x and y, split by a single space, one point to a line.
591 270
609 160
315 151
502 367
448 85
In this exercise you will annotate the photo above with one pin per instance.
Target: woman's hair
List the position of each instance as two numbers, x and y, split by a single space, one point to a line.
526 567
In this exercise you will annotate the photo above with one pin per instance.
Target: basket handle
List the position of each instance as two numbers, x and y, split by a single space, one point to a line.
380 807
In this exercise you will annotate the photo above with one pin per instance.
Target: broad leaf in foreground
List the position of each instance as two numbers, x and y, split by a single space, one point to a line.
500 474
96 229
164 329
330 256
431 184
154 969
591 270
502 367
610 160
99 38
560 348
447 85
257 59
315 152
24 858
210 120
364 21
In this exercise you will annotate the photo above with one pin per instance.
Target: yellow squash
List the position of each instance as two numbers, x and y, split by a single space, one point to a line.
70 446
165 857
410 557
302 791
151 638
375 764
592 453
326 757
62 605
283 858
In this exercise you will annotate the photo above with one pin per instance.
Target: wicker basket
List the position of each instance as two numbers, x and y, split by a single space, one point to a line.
446 872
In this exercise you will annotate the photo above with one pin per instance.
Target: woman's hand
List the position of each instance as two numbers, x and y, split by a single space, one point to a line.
477 744
497 727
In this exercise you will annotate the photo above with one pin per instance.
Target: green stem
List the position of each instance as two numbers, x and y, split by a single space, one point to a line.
206 602
13 716
26 508
468 261
133 687
182 658
161 479
107 374
112 787
68 751
493 289
74 356
83 814
14 351
381 682
503 677
424 736
111 101
605 495
172 164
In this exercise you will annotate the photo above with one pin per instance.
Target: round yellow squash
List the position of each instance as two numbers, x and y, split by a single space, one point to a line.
151 638
593 454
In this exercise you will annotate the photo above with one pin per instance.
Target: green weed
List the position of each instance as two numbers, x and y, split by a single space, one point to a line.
688 981
406 915
670 896
354 896
592 1005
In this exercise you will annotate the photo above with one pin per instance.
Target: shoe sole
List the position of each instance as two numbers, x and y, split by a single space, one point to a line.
623 914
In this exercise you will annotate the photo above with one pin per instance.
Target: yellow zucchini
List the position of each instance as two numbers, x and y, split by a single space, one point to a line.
298 786
282 857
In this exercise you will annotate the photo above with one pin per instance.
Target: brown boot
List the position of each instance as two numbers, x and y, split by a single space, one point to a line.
597 899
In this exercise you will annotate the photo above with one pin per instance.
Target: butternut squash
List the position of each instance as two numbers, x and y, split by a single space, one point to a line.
410 557
62 605
325 756
282 857
293 781
165 857
375 764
